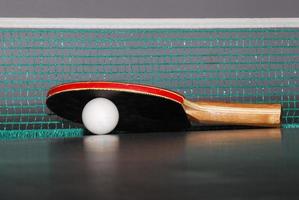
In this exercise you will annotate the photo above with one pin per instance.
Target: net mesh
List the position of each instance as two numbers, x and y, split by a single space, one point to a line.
238 65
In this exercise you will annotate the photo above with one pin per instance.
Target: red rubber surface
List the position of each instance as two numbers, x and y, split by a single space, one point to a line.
130 87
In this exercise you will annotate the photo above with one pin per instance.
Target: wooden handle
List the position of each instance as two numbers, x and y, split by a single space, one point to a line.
221 113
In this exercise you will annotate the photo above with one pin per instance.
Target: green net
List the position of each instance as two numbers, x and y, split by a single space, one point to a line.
238 65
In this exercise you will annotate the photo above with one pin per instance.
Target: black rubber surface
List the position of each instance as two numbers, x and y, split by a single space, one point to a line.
138 112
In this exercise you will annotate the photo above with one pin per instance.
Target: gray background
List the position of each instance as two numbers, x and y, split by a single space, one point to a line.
149 8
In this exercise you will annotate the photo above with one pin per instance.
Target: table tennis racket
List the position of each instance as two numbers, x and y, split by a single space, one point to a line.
144 108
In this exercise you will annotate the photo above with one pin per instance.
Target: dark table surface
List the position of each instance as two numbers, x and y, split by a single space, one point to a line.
238 164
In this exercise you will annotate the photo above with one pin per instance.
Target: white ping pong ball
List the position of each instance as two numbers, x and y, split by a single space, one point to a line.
100 116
